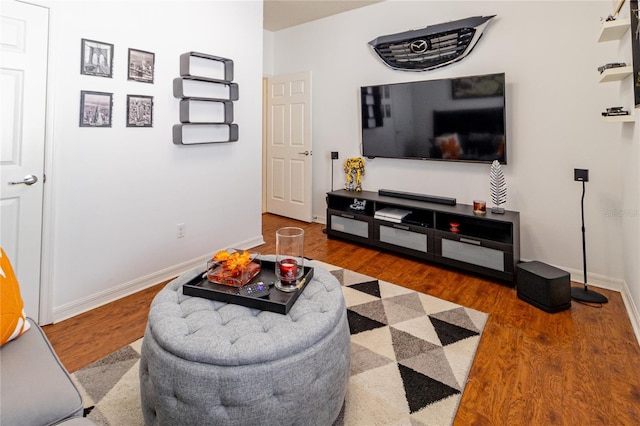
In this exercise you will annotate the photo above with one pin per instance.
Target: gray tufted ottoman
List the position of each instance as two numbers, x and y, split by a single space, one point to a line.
205 362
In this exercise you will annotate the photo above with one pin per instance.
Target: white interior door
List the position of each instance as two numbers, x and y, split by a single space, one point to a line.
23 85
289 150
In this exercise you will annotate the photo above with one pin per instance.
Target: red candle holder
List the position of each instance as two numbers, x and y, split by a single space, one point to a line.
289 258
479 207
288 270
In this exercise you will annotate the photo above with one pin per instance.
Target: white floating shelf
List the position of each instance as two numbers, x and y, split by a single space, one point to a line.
620 118
614 30
616 74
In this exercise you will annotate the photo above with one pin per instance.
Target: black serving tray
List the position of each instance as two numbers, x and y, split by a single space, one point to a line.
277 301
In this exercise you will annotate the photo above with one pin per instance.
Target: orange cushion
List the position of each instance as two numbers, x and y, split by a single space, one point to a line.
12 318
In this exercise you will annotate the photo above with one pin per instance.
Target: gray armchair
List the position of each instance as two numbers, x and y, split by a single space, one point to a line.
35 388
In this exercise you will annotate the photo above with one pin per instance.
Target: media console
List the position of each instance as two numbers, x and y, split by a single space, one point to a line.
450 235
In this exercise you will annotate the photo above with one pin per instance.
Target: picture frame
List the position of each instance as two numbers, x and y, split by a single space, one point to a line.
141 66
96 109
96 58
477 86
139 111
635 49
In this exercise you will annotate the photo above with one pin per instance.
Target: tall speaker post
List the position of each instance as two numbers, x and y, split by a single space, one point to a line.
334 156
584 294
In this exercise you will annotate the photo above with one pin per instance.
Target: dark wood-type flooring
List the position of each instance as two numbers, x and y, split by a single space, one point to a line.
577 367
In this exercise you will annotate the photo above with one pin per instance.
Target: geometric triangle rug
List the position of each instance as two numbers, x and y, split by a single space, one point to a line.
410 358
410 353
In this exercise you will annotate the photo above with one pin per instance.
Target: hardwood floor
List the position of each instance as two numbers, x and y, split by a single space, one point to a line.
577 367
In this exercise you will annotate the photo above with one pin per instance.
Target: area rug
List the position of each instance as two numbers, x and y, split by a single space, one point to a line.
410 357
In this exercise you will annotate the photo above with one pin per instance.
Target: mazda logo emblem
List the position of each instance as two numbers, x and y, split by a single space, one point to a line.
419 46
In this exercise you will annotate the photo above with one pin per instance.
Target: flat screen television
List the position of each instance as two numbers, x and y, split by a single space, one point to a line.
456 119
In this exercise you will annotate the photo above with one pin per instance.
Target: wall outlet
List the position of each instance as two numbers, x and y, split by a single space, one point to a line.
581 175
334 155
180 230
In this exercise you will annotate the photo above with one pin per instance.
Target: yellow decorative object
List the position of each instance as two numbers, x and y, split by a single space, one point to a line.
354 168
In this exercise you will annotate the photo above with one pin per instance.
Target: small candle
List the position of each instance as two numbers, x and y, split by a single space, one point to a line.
479 207
288 270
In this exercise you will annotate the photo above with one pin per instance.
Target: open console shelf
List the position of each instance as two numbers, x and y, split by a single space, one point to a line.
488 245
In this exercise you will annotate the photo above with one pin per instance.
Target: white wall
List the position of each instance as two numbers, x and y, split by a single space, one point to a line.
549 53
117 194
267 51
629 213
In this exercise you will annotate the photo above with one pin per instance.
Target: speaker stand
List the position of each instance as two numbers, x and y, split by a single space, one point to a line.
324 230
584 294
332 174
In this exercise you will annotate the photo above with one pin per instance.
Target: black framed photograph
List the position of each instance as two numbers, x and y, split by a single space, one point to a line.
635 50
97 58
139 111
478 86
95 109
141 65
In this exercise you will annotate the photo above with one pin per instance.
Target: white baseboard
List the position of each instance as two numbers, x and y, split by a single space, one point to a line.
632 309
596 280
96 300
614 284
80 306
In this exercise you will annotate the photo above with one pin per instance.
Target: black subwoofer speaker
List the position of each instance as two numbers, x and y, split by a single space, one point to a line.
543 286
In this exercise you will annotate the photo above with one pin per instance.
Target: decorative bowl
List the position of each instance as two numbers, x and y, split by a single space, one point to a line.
237 268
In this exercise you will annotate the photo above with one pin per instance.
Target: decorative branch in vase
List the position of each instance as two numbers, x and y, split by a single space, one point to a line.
497 187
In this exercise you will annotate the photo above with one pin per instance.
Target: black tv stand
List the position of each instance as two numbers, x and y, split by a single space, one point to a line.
488 245
419 197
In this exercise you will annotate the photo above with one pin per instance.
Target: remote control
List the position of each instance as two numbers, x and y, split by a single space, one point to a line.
258 289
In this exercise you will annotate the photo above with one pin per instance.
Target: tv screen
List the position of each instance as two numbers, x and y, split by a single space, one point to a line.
458 119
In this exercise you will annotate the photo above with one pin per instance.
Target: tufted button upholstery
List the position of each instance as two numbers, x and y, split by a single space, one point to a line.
209 362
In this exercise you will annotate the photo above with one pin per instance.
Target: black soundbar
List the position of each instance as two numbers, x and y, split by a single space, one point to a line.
418 197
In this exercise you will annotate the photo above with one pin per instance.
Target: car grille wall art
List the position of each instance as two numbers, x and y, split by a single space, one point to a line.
432 47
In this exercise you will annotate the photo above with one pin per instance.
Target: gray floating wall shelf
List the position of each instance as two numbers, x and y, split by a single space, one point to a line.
213 90
194 64
196 134
207 93
196 110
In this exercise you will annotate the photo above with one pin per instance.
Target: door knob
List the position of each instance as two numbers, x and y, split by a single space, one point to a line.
304 153
28 180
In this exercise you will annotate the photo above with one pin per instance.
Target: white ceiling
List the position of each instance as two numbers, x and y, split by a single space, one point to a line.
281 14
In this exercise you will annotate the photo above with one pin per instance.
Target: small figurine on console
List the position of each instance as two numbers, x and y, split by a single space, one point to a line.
354 168
358 204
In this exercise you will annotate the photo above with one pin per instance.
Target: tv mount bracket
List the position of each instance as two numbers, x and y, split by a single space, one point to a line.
432 47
